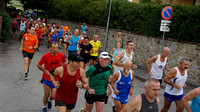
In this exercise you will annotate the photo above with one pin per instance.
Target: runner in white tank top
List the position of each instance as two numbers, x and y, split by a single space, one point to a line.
180 80
159 62
157 68
126 54
175 80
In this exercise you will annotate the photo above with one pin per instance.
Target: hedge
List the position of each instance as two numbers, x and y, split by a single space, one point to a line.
143 18
6 26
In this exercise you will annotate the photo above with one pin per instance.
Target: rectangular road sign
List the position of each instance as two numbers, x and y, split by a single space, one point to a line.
164 28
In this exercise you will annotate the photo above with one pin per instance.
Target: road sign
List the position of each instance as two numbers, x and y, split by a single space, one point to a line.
167 13
164 26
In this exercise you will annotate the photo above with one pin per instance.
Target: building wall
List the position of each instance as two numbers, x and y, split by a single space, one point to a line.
147 47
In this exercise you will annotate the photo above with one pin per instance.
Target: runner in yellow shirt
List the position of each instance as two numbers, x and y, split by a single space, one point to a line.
96 47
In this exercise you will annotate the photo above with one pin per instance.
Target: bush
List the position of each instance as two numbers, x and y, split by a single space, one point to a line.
143 18
6 26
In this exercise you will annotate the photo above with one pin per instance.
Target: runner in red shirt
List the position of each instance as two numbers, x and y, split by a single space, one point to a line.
51 60
71 77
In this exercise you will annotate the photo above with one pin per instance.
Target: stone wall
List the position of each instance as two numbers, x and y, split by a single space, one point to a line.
147 47
0 25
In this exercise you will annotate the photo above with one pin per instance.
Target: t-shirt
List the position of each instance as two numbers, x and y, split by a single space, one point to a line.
51 62
39 32
30 40
85 48
96 45
98 78
65 28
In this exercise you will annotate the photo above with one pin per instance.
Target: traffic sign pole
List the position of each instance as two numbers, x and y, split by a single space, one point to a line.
167 13
162 42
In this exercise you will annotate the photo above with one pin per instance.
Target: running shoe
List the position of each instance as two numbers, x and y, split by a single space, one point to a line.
44 109
81 110
49 104
26 77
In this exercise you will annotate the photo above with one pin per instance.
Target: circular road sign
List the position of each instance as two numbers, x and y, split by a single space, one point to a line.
167 13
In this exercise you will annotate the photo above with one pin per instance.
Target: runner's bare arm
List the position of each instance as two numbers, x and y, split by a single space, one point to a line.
171 74
152 60
58 71
114 79
132 83
134 105
191 95
117 58
63 35
43 69
158 100
111 52
84 79
167 67
68 39
22 41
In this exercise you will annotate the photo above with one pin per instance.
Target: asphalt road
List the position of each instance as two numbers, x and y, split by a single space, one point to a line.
17 95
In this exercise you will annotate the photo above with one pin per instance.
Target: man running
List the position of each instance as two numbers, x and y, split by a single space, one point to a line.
126 54
119 38
60 35
71 77
22 27
175 80
98 75
122 83
147 101
159 62
51 60
96 44
30 43
84 28
193 95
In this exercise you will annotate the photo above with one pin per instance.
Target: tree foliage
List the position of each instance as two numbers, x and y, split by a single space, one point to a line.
143 18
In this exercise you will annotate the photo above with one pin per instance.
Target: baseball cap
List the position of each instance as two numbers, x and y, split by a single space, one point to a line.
104 55
75 57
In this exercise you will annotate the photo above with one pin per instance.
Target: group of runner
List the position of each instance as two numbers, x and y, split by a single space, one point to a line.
61 81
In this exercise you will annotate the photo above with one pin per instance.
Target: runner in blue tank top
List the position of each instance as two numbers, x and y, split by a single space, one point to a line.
73 42
84 28
122 83
60 36
54 35
193 95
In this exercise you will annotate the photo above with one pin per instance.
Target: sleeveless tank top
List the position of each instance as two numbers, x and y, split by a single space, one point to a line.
84 29
60 33
54 36
115 53
66 36
147 106
195 106
23 25
180 80
68 92
123 84
157 68
74 42
126 57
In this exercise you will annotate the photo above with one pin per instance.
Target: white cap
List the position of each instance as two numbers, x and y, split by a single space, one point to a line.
104 55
